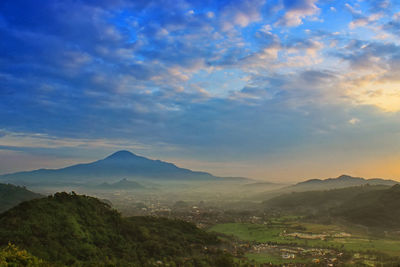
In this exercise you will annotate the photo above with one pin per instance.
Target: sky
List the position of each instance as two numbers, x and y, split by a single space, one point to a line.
275 90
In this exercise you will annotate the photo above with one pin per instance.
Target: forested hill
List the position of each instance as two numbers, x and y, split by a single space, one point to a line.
11 195
317 201
73 229
378 209
375 206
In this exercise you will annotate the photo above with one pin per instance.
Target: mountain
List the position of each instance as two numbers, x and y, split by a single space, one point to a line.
312 202
261 185
11 195
123 184
120 164
75 230
339 182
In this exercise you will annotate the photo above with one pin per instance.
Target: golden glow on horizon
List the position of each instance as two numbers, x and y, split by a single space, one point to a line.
384 95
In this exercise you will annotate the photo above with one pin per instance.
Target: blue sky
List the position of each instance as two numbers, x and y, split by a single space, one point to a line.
275 90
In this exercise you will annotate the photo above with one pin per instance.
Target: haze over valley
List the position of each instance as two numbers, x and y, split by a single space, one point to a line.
188 133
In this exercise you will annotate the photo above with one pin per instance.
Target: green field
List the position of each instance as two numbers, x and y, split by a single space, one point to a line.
275 233
267 258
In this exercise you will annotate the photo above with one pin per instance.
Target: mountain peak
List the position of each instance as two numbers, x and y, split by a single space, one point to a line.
345 177
122 154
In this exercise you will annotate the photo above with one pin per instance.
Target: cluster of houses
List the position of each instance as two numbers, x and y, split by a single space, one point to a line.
317 255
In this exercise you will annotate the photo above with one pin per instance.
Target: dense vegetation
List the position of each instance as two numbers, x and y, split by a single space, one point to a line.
12 256
372 206
72 229
11 195
317 201
374 209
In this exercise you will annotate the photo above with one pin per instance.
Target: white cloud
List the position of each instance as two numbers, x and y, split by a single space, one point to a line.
354 121
296 12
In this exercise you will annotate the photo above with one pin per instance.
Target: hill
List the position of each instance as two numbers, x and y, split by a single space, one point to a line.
374 206
123 184
312 202
379 209
120 164
11 195
338 182
79 230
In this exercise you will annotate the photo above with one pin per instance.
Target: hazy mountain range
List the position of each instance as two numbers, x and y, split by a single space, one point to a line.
339 182
343 181
121 164
122 184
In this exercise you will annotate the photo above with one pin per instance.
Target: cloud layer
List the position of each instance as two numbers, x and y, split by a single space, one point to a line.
235 82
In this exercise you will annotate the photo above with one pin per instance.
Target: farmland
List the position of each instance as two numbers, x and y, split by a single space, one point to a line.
289 240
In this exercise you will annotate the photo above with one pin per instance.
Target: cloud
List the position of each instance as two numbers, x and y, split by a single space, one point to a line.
203 79
354 121
296 11
361 20
240 13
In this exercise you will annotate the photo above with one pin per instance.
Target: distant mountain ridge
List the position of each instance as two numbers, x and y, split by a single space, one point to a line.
123 184
339 182
120 164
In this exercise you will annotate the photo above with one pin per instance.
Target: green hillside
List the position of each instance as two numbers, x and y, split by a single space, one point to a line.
11 195
72 229
317 201
379 209
373 206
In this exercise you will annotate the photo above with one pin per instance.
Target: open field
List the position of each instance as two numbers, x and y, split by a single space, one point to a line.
309 241
322 236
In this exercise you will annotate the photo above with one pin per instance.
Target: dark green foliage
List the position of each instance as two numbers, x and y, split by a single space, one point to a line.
11 195
318 201
372 206
375 209
72 229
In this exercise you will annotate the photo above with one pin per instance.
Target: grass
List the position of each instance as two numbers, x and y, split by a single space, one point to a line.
248 231
274 259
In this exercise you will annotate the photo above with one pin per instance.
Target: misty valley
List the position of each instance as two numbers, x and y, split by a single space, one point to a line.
187 133
128 210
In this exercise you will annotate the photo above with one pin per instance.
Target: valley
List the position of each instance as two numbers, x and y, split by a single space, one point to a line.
331 222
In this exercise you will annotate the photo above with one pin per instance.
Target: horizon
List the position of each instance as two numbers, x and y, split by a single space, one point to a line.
293 181
276 91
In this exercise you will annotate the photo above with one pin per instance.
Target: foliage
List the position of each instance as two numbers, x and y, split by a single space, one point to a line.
311 202
12 256
379 209
79 230
11 195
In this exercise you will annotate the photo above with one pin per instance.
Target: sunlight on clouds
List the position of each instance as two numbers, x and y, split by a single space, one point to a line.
196 75
38 140
354 121
384 95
